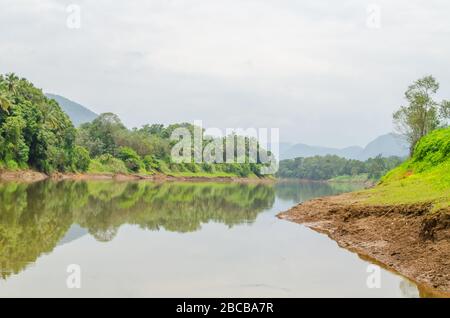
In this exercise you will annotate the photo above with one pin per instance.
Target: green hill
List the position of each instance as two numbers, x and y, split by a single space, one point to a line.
423 178
77 113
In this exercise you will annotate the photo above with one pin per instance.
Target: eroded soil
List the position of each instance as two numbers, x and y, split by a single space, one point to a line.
408 239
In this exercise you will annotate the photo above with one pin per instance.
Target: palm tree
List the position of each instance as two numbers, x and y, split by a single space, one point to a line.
11 80
5 104
50 118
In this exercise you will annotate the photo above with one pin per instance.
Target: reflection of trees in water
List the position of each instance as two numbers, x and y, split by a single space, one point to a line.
302 191
175 207
29 227
33 218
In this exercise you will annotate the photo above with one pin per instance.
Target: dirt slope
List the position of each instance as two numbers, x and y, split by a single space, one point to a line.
407 239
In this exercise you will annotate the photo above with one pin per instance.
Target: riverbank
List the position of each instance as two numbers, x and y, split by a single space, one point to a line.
408 239
30 176
403 222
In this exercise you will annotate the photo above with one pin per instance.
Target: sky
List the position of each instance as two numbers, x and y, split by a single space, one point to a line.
327 73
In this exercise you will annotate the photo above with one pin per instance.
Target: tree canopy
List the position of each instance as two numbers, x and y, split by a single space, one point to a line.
423 113
328 167
36 133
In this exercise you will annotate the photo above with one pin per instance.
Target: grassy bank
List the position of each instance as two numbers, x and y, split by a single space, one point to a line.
423 178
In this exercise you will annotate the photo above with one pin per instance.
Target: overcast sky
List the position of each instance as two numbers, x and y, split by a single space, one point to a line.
324 72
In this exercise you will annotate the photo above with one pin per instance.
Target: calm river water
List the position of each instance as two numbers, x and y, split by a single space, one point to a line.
141 239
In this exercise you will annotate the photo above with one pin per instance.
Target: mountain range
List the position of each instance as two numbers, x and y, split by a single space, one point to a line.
386 145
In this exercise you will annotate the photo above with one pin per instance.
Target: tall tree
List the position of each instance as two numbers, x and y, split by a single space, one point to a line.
5 104
422 114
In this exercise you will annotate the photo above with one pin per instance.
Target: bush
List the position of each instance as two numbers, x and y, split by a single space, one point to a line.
192 167
12 165
207 167
163 167
131 159
81 159
433 148
151 163
107 164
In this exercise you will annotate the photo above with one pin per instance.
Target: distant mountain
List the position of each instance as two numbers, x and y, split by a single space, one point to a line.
74 233
77 113
386 145
303 150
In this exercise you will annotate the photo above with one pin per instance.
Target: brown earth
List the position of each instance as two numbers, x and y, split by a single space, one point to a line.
33 176
406 239
23 175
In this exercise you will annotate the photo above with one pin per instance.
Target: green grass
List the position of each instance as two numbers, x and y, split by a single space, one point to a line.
423 178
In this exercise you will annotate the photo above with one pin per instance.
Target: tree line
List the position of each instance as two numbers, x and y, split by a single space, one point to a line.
332 166
36 133
421 115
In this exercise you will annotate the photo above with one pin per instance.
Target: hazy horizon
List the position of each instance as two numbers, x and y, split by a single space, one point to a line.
317 70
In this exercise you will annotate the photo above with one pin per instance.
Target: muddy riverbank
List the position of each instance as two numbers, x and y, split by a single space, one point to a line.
29 176
407 239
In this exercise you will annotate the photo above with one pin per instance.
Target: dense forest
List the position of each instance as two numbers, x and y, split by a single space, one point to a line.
329 167
35 133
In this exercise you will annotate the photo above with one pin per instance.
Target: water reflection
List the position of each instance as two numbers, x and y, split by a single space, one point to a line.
290 259
34 218
302 191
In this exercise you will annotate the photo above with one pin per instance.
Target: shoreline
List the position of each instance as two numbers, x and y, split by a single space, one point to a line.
31 176
404 239
365 184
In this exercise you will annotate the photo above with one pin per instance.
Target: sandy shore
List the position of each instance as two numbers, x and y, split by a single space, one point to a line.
406 239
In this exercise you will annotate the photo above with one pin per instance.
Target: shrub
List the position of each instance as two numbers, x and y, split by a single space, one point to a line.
131 159
107 164
12 165
151 163
209 168
192 167
434 148
81 159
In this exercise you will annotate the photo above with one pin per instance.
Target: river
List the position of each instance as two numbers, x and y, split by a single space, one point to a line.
142 239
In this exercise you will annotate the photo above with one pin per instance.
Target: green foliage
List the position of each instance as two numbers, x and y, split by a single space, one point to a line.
329 167
99 136
12 165
81 159
433 149
107 164
151 163
130 158
148 149
422 114
423 178
34 131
